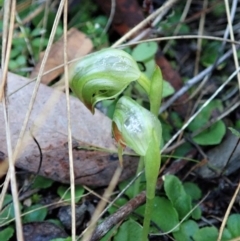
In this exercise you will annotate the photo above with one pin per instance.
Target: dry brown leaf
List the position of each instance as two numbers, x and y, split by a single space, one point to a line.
78 46
48 123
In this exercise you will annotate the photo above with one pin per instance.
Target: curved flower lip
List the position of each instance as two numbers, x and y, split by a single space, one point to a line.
102 75
135 125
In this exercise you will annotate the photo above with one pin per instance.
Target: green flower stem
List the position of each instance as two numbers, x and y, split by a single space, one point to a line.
145 83
152 158
139 169
155 95
147 218
152 162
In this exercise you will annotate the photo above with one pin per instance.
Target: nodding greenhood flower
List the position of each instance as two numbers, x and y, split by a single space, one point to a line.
133 126
103 75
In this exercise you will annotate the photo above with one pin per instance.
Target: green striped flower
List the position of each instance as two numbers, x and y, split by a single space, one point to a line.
102 75
133 126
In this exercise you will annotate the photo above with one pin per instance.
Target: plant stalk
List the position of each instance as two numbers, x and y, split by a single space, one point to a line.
137 182
147 218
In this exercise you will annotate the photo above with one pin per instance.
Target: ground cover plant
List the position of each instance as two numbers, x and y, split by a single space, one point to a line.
149 149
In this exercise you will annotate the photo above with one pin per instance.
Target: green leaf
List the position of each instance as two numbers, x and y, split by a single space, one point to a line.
210 53
65 193
175 119
219 10
163 214
226 236
21 60
197 213
206 233
37 41
167 89
62 239
119 202
237 124
234 131
109 234
211 136
156 89
6 233
42 182
183 149
203 117
177 195
145 51
129 231
130 191
186 231
8 212
193 190
15 52
36 213
57 222
150 66
37 32
214 134
12 65
233 225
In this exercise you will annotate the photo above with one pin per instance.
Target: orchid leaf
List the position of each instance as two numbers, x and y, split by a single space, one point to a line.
177 195
128 231
156 89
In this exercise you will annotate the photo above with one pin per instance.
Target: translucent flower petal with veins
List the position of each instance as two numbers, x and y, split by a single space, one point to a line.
102 75
133 125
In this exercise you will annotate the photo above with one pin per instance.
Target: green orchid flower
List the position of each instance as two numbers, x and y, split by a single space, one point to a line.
133 125
104 75
139 129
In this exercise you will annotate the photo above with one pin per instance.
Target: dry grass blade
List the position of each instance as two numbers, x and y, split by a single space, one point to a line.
183 219
199 42
193 81
200 109
21 135
232 37
71 165
203 10
88 232
179 37
144 22
7 42
211 122
113 7
228 212
183 17
5 60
